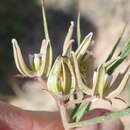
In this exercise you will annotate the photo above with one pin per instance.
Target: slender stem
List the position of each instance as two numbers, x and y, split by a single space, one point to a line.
78 101
64 115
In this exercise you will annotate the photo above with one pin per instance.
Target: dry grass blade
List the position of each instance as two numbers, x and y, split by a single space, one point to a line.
45 21
78 30
116 45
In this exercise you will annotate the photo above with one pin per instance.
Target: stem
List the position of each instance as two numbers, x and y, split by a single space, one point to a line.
78 101
64 115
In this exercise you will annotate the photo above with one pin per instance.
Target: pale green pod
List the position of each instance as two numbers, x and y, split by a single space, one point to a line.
67 46
79 80
60 77
54 76
66 86
82 49
46 51
99 82
121 86
19 61
72 86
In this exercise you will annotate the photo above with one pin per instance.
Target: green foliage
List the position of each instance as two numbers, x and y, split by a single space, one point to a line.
100 119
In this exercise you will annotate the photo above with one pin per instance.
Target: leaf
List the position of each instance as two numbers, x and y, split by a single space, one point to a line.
45 21
116 45
126 50
78 30
100 119
121 57
80 110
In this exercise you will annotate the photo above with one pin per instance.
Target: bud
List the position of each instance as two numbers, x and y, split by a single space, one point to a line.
61 78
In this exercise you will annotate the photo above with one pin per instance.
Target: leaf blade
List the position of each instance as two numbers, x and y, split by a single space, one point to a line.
100 119
45 21
78 30
116 45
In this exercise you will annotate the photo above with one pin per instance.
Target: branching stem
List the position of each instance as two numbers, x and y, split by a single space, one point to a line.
64 115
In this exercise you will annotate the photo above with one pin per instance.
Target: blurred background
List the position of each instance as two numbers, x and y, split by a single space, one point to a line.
23 20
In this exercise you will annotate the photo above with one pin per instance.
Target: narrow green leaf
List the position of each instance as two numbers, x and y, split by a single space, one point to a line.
45 21
78 30
122 56
80 110
100 119
117 43
126 50
114 66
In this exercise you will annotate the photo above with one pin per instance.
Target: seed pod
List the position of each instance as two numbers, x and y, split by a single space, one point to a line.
46 51
67 46
82 49
40 63
19 61
122 85
61 78
99 82
83 87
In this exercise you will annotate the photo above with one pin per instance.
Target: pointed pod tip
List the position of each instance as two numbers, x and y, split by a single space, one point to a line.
14 41
90 34
72 23
43 40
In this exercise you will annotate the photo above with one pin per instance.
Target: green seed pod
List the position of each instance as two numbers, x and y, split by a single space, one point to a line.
40 63
61 78
46 51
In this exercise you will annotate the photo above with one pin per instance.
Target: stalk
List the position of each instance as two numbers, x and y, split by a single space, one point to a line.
64 115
